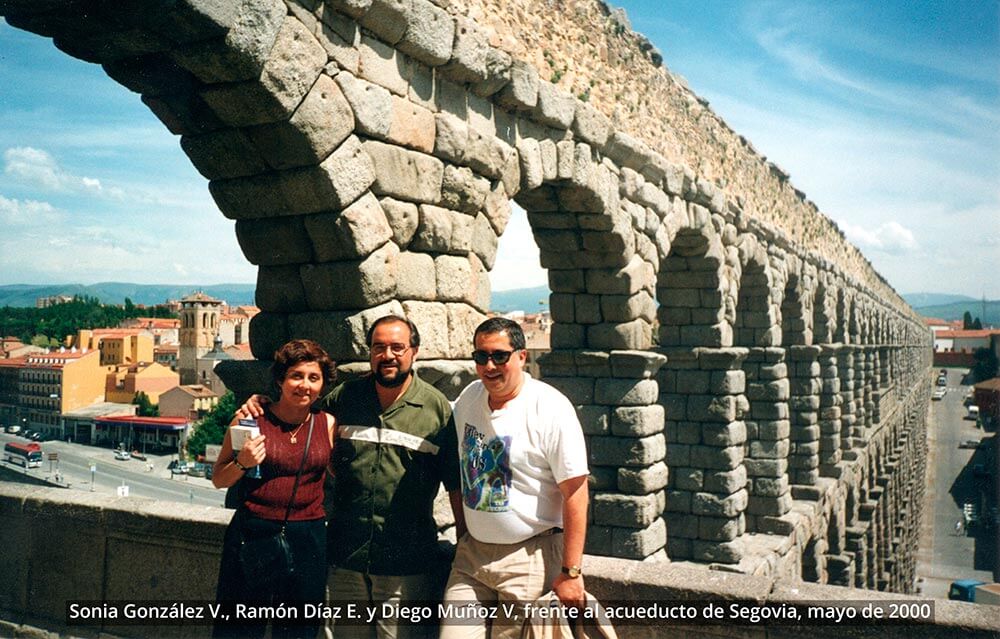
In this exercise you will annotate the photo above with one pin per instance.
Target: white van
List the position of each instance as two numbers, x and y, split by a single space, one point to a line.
973 412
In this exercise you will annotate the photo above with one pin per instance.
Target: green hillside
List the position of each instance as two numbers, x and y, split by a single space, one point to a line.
24 295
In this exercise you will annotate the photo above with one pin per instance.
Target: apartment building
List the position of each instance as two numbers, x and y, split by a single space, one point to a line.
191 401
50 384
124 382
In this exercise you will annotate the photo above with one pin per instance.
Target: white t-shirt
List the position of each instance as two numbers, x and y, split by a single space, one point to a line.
513 459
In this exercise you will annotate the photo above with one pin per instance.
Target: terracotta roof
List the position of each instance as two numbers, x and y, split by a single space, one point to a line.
986 332
158 322
64 356
116 332
990 384
197 390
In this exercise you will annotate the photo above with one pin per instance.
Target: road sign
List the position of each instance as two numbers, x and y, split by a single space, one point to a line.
53 456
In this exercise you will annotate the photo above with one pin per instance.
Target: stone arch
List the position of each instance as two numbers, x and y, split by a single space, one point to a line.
763 409
755 317
705 499
824 316
797 304
692 290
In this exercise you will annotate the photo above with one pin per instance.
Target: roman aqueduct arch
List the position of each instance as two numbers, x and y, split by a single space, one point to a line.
753 393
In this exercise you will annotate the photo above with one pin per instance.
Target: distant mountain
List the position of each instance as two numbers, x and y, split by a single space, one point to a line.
956 310
919 300
116 292
521 299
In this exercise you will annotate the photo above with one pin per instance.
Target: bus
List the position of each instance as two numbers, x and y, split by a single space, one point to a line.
28 455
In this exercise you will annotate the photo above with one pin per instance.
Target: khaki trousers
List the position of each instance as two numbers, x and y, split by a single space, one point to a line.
486 574
361 588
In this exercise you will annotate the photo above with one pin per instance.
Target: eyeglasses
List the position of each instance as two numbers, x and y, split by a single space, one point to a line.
395 349
499 357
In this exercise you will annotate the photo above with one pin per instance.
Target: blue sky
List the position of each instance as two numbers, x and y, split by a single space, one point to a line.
887 114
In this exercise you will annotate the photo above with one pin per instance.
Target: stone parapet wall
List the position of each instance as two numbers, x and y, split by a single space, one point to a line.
81 546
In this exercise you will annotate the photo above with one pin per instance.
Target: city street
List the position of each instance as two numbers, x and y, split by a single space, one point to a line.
945 554
75 462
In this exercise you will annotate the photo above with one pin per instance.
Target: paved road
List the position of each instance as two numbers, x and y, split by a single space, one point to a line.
75 461
943 555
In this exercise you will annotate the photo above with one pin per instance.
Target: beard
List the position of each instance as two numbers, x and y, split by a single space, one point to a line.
393 381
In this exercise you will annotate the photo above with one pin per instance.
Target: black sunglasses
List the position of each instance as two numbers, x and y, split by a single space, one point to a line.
499 357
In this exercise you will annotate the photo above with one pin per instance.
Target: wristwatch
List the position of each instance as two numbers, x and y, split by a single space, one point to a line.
572 572
239 465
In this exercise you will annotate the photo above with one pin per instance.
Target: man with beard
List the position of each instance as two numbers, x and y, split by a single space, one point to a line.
395 445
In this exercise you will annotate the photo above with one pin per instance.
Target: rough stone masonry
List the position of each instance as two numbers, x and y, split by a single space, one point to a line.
753 393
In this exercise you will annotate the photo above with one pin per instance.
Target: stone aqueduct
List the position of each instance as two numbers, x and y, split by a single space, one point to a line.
753 393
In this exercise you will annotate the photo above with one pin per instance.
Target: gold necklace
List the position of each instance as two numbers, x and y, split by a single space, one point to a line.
280 423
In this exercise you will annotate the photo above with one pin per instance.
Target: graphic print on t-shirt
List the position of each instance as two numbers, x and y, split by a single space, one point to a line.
486 476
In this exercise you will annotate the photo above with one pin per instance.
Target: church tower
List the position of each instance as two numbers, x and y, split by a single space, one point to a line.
199 325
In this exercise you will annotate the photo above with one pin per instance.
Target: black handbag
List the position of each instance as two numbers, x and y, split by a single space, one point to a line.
268 559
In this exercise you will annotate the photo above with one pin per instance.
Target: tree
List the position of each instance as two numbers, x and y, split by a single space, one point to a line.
966 321
977 325
146 407
40 340
212 427
985 366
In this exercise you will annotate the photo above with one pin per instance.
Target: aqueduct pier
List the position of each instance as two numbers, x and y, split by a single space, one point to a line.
754 394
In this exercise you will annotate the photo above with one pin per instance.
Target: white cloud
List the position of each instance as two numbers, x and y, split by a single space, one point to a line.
891 237
26 213
39 168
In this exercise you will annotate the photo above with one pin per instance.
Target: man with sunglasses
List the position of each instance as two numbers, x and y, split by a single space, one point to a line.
524 472
395 445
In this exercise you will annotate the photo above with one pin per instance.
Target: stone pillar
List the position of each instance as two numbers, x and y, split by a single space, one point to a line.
804 405
767 430
863 394
829 411
878 371
616 397
857 545
845 364
707 496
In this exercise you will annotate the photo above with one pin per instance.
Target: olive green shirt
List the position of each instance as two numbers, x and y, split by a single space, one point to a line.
388 466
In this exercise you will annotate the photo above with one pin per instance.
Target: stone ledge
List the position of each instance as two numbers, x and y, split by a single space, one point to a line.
607 578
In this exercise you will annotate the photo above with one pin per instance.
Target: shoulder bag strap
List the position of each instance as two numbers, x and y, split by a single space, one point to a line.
298 475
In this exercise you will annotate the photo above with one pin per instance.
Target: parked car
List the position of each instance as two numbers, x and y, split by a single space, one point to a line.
969 443
942 381
14 429
36 436
122 455
27 433
196 470
177 467
939 394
